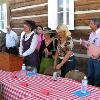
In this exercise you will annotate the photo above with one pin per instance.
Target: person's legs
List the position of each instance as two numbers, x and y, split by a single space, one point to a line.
64 69
91 72
69 65
97 72
13 50
7 50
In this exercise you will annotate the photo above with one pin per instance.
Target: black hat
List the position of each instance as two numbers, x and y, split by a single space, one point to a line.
48 30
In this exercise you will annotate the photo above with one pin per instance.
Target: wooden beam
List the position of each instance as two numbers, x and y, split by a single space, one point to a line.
32 11
23 3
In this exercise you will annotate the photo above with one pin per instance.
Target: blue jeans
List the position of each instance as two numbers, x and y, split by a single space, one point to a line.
94 72
68 65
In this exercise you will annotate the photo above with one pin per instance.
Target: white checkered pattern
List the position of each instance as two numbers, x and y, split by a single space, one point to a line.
62 89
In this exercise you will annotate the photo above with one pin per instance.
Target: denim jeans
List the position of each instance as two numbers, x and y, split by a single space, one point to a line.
94 72
68 65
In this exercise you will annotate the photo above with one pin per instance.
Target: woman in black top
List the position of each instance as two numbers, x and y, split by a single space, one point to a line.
47 50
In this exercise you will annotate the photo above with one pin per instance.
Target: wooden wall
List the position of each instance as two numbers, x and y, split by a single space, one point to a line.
21 10
37 10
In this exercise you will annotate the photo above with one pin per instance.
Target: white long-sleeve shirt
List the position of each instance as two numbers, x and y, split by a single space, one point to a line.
11 39
32 46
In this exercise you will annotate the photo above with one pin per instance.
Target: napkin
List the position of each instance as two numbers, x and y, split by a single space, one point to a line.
80 94
24 84
31 74
44 91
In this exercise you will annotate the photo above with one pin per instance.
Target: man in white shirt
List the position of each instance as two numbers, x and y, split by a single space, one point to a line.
11 41
94 61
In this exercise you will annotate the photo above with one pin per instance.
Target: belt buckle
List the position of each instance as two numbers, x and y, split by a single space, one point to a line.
98 58
70 60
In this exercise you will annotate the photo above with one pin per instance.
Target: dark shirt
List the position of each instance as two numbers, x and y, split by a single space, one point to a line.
50 48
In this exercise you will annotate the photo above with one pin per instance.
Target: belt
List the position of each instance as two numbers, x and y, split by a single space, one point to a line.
70 58
98 58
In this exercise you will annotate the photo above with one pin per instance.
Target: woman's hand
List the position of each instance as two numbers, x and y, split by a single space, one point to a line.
58 66
84 43
47 52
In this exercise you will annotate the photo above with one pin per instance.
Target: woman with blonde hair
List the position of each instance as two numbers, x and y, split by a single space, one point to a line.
64 58
62 27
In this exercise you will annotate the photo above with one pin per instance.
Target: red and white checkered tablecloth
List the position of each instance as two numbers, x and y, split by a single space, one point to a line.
62 89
